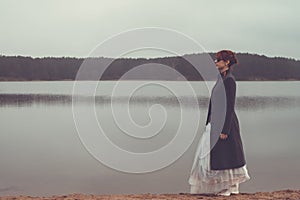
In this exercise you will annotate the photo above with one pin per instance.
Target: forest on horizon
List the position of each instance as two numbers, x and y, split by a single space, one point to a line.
250 67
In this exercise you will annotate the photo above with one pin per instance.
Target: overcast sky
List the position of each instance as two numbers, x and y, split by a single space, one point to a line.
73 28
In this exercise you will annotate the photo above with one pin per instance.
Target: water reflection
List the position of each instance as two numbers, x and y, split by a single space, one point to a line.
40 143
242 103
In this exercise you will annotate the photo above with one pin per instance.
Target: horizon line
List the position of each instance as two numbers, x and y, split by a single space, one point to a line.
147 58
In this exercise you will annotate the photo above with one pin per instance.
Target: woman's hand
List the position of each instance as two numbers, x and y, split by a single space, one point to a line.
223 136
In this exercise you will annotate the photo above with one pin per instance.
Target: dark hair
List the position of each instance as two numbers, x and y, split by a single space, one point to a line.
227 55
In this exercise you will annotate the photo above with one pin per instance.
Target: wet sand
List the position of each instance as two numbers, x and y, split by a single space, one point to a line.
282 195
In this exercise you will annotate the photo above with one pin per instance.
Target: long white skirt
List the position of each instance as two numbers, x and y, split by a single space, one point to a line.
203 180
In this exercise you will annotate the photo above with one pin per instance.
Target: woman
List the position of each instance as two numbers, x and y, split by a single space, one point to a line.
219 164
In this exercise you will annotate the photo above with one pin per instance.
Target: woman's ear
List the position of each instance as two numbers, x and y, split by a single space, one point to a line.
227 62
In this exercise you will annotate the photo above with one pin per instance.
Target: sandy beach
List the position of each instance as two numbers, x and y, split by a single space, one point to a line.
282 194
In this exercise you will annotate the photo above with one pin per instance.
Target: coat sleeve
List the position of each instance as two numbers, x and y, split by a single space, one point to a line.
230 88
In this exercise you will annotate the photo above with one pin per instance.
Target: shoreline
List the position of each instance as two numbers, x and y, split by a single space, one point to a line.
280 194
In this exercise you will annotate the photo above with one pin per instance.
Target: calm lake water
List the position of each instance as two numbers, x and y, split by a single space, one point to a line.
41 152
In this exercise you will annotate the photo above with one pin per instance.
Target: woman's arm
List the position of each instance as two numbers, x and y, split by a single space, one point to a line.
230 88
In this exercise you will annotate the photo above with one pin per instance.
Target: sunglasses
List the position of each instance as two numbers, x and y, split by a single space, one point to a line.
218 60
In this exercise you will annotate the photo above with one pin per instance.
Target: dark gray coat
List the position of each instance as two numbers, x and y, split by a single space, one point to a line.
228 153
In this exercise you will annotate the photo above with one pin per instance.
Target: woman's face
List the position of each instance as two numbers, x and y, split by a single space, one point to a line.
221 64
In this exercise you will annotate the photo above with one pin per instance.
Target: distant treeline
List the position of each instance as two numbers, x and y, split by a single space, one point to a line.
251 67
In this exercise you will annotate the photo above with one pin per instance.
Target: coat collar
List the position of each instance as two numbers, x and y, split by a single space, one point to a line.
225 73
